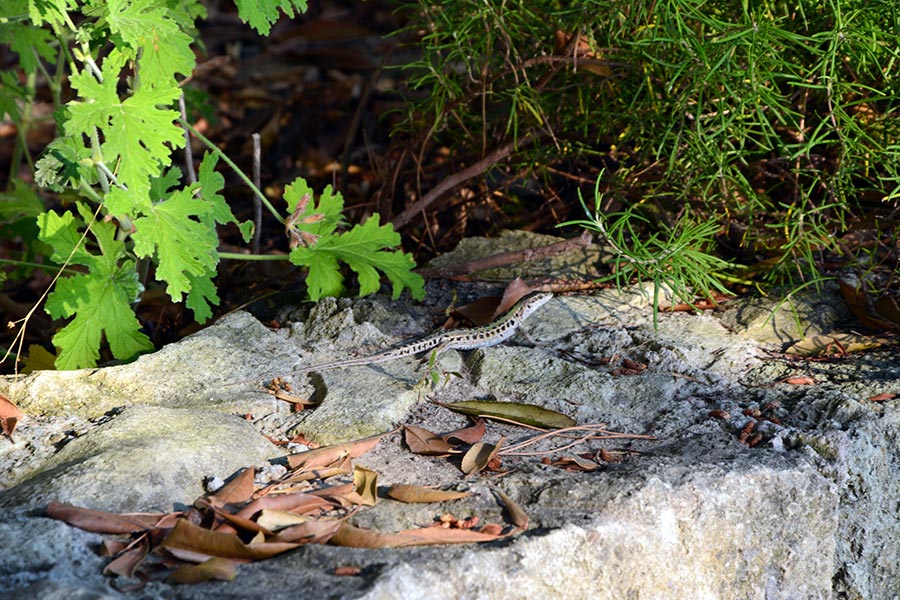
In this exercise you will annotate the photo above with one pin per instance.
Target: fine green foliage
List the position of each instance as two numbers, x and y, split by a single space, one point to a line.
778 116
118 136
678 259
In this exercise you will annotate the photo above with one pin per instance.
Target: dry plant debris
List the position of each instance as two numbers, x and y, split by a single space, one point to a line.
246 521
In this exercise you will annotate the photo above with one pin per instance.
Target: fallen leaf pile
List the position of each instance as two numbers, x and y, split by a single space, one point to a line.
312 502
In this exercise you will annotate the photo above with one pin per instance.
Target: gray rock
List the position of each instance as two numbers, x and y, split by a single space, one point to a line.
144 459
753 487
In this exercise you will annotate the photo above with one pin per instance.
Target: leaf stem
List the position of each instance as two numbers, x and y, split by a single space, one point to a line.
239 256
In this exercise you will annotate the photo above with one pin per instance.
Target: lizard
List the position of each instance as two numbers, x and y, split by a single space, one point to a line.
492 334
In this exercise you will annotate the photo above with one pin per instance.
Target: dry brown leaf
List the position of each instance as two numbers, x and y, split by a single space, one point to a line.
126 563
515 291
415 493
355 537
340 495
297 502
325 473
220 569
100 521
882 397
314 531
195 544
845 343
478 456
276 520
422 441
880 315
9 416
111 547
467 435
239 489
235 523
576 463
365 483
485 310
517 515
326 456
802 380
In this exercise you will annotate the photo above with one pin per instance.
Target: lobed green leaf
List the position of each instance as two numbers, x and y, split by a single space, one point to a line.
263 13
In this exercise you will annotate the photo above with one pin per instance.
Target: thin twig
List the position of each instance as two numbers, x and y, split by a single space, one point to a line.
461 177
257 205
188 155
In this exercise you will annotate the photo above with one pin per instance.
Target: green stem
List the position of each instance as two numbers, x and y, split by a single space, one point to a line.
25 263
239 256
215 150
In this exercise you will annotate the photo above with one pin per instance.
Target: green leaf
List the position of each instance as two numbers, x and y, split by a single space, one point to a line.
324 278
327 208
173 231
162 48
160 187
211 183
201 295
517 412
367 248
102 308
12 96
21 203
138 135
261 14
62 165
53 12
364 249
100 300
61 233
30 43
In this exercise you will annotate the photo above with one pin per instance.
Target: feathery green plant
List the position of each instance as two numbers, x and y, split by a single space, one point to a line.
677 259
779 116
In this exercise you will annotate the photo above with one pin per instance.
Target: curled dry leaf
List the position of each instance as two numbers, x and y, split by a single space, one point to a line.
238 489
324 473
576 463
356 537
844 343
422 441
298 502
195 544
514 412
126 564
479 456
516 514
328 455
365 483
9 416
220 569
882 397
100 521
276 520
314 531
415 493
468 435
